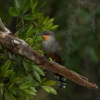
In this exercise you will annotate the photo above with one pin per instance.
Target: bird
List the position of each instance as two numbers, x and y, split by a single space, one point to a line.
51 49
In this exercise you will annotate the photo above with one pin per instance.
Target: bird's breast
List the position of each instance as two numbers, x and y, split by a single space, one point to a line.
47 46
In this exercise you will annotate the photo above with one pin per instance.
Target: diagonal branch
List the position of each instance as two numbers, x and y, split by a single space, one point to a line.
20 47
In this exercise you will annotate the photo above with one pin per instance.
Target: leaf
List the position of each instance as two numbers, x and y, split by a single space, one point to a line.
41 6
12 77
17 5
13 12
50 82
12 90
26 6
49 26
54 27
35 84
44 79
8 72
30 92
25 65
45 20
29 32
49 89
7 96
16 79
38 70
34 5
1 85
49 21
26 85
6 66
10 86
28 17
37 76
32 89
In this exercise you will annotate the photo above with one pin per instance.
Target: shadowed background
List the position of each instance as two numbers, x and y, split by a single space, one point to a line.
79 37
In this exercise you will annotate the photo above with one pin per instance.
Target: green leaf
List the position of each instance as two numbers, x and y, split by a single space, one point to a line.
29 32
10 86
13 12
8 72
7 96
33 89
6 66
28 17
50 82
34 5
41 6
12 90
49 89
35 84
1 85
19 81
49 26
49 21
16 79
1 90
26 85
26 6
30 92
38 70
45 20
12 77
17 5
54 27
25 65
37 76
44 79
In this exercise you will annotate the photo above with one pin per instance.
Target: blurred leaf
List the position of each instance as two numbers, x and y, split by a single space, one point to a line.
54 27
49 89
41 6
25 85
38 70
1 90
13 12
44 79
8 72
49 26
34 5
17 5
7 96
26 6
50 82
35 84
12 90
45 20
12 76
30 92
49 21
33 89
25 65
37 76
1 85
16 79
28 17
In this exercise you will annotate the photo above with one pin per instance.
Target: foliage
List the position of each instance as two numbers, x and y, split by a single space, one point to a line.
19 77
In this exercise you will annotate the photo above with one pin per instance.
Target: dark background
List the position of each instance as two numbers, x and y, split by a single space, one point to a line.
79 38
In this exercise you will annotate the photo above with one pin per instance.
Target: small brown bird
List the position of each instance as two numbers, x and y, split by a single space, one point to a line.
52 50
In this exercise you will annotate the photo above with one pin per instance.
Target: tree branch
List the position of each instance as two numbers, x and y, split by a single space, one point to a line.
20 47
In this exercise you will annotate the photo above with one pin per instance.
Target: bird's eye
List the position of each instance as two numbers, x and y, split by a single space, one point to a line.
48 34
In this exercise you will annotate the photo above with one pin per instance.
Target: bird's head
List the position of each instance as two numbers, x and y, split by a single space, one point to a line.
46 35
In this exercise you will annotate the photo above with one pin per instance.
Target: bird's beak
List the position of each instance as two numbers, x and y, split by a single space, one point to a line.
39 34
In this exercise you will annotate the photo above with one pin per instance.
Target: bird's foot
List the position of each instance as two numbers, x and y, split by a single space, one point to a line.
43 60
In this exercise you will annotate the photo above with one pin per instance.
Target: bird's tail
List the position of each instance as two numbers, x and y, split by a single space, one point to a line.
61 81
